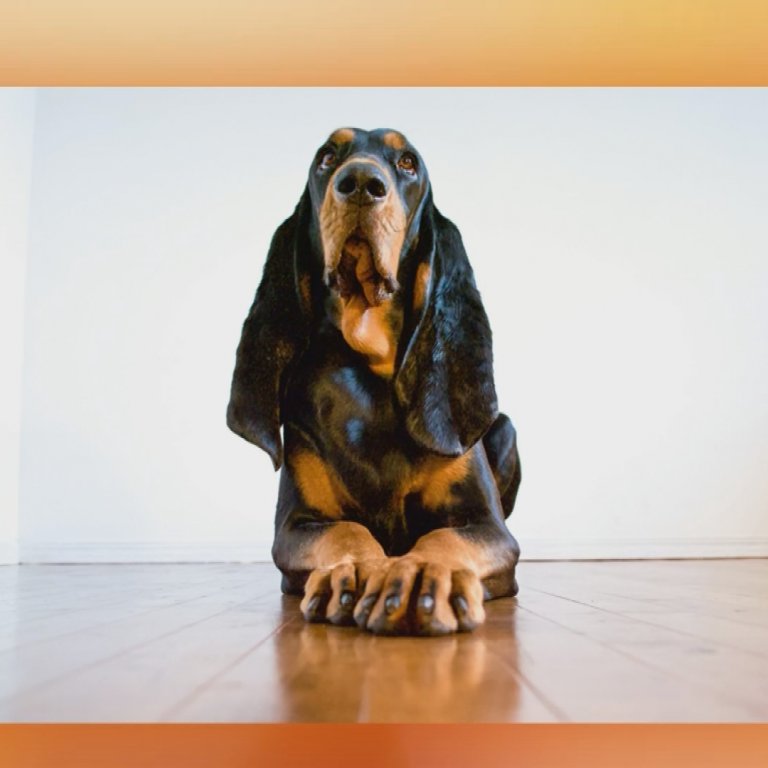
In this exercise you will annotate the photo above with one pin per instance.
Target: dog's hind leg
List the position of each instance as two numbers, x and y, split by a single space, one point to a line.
500 444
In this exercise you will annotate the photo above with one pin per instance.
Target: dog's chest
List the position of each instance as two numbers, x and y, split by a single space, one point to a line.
351 415
357 418
350 418
371 331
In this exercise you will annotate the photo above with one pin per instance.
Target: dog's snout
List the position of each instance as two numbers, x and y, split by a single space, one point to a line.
362 183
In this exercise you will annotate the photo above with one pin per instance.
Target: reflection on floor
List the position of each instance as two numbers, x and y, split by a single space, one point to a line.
590 641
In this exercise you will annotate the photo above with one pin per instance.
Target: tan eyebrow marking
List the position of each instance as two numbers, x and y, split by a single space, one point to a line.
343 136
394 140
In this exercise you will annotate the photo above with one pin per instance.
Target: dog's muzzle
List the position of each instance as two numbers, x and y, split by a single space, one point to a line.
361 196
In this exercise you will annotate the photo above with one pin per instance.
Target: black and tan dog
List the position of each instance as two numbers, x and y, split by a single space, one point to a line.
368 342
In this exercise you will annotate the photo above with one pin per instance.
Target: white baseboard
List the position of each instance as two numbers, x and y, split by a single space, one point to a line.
9 553
259 551
642 549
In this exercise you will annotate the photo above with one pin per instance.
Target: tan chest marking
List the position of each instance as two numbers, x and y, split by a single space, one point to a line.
319 485
434 478
368 331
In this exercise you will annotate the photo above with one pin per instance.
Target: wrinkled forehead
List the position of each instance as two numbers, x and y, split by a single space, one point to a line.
355 140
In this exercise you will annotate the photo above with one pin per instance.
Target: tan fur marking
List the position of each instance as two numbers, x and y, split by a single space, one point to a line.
343 542
386 368
342 136
435 476
367 330
336 223
304 290
364 324
394 140
421 285
439 475
384 224
319 485
454 551
387 230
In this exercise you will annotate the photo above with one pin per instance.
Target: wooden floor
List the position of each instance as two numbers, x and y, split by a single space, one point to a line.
596 641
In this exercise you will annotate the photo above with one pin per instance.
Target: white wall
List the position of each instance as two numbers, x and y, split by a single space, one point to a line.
17 110
618 238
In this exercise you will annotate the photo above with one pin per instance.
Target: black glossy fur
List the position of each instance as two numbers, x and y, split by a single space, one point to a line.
295 369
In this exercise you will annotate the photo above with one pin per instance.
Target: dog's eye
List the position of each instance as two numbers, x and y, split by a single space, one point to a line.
327 159
407 163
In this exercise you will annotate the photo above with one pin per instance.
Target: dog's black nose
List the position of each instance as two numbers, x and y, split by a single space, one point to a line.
361 182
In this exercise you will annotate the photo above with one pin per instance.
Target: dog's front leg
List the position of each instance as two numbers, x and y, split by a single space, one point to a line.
326 560
331 563
439 586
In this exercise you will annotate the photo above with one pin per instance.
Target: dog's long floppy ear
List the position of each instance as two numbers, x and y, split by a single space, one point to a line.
445 379
274 334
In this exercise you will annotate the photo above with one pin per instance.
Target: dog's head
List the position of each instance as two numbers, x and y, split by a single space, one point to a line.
367 190
366 229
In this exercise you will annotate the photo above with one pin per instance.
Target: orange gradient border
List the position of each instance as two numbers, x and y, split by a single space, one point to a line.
381 746
397 42
346 43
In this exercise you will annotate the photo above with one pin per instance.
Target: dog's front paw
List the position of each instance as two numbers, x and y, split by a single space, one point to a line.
331 594
396 596
412 597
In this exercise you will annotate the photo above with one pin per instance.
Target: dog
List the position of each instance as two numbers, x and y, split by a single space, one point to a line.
368 342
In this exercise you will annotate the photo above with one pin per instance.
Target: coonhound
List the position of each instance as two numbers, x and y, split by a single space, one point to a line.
368 342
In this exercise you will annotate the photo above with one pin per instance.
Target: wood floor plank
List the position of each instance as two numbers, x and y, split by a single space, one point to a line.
46 591
26 667
317 673
591 682
107 596
732 683
584 641
146 681
660 599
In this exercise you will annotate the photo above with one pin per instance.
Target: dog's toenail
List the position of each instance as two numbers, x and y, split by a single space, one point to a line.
364 609
460 605
427 603
392 603
346 599
368 603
